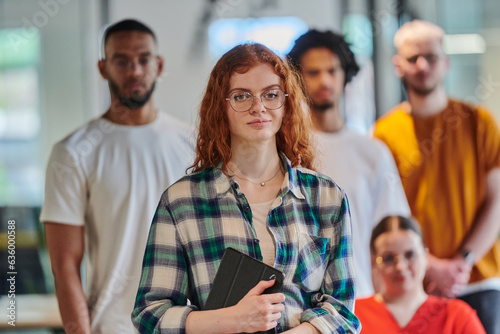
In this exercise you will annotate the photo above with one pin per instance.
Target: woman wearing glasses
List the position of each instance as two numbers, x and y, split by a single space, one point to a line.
251 190
399 257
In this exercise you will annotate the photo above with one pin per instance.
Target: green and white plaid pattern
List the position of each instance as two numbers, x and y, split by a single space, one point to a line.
204 213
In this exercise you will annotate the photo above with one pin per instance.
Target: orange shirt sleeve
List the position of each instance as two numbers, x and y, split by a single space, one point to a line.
488 139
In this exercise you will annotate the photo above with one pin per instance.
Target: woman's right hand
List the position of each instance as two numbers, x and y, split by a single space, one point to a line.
257 311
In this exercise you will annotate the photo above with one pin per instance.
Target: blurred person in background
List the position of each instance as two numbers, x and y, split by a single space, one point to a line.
103 184
400 258
363 167
448 156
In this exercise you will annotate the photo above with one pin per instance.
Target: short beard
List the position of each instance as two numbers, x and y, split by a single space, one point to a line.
322 107
423 92
134 101
419 91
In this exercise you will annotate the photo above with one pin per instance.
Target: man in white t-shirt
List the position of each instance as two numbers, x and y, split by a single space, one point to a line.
363 167
104 182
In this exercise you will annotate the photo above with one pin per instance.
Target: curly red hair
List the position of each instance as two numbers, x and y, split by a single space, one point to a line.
213 145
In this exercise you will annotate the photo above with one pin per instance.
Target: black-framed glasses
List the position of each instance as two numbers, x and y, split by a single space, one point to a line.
390 260
242 101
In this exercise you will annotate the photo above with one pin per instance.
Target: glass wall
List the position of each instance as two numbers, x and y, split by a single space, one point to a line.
21 171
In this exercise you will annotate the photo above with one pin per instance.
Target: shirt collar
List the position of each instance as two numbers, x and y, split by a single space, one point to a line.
290 183
222 182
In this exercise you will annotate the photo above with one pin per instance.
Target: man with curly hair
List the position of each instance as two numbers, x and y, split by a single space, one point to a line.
364 168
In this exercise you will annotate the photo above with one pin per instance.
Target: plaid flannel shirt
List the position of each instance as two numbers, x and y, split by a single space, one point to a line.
204 213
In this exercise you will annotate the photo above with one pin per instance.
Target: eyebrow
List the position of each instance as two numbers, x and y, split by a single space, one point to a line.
316 66
248 90
124 55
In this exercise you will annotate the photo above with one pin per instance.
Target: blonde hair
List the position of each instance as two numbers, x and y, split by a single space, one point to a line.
417 29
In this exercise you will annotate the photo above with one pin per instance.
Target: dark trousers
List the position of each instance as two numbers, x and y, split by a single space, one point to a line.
487 305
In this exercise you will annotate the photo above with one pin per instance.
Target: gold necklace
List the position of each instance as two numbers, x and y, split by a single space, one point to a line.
263 183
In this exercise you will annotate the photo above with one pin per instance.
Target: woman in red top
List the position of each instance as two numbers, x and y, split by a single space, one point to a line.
399 257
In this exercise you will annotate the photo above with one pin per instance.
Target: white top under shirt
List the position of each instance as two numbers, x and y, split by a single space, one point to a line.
365 169
267 245
109 178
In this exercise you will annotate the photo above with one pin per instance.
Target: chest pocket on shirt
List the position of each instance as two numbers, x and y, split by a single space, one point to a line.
312 261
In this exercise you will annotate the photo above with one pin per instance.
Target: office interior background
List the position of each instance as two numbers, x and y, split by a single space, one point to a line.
50 85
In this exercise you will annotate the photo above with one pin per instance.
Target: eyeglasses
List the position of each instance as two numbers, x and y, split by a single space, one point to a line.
430 58
242 101
125 64
390 260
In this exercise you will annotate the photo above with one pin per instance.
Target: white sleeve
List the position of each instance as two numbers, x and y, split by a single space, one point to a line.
389 193
66 193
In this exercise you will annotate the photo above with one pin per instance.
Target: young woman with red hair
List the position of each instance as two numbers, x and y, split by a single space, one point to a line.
251 189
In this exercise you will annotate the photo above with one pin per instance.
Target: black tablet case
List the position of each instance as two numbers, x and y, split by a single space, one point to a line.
238 273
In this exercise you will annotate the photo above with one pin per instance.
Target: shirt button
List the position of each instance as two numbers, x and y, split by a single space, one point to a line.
247 209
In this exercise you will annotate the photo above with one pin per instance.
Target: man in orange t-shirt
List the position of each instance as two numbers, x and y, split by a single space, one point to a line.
448 156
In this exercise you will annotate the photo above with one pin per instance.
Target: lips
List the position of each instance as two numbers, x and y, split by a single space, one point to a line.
324 93
400 278
259 122
136 85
